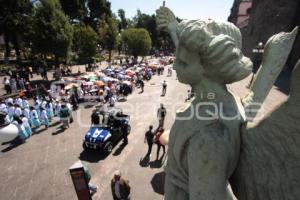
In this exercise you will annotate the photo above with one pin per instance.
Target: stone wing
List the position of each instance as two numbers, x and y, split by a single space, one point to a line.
269 165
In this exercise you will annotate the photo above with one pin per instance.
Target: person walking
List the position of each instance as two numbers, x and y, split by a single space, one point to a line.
120 187
161 114
64 115
164 88
149 137
159 145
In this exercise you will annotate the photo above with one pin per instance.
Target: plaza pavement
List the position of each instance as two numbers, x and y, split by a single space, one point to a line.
38 169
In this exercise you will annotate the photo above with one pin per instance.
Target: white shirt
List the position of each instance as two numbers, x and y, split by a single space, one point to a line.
44 115
19 102
18 111
25 122
49 107
26 113
25 104
57 107
43 105
11 110
9 100
69 106
33 114
3 107
117 189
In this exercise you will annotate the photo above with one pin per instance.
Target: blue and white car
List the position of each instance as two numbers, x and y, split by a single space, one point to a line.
106 137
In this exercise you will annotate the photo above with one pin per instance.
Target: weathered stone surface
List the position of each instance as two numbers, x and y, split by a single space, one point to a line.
268 17
209 144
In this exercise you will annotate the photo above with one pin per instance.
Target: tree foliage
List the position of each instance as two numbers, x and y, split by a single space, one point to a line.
75 9
85 42
123 21
108 32
53 32
137 40
98 8
15 22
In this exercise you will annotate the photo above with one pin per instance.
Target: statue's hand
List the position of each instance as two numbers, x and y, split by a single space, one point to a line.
166 19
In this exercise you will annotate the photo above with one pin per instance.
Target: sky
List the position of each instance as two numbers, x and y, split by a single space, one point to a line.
185 9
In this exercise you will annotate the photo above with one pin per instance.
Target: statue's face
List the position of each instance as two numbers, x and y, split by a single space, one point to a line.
188 67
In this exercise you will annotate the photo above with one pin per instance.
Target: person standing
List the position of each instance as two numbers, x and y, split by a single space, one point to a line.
13 84
95 119
142 85
7 85
161 114
120 187
21 83
34 118
44 118
164 88
149 137
30 71
124 129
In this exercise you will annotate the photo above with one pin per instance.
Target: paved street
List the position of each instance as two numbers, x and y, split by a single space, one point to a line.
38 169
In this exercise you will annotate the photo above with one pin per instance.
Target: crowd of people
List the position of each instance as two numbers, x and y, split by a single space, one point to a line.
28 117
106 86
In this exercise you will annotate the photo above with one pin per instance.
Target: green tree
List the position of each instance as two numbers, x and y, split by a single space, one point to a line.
123 21
85 42
98 8
75 9
53 32
137 40
15 23
108 32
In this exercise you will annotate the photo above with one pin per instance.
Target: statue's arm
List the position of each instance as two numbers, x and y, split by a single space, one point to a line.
207 163
166 21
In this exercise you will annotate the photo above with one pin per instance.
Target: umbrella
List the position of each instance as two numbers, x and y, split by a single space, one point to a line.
99 83
121 76
127 82
70 86
89 83
8 132
94 78
105 79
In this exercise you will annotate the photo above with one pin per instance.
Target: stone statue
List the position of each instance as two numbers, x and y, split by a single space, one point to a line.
212 142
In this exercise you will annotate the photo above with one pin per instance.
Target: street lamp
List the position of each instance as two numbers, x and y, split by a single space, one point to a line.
257 58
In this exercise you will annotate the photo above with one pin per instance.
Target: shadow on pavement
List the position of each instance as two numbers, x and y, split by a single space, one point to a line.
13 144
54 124
60 130
158 163
144 162
119 150
92 156
157 183
38 131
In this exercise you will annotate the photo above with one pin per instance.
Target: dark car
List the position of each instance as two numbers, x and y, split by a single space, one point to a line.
106 136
